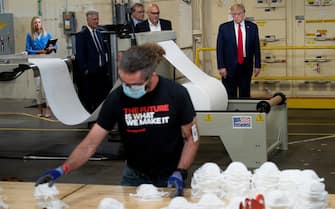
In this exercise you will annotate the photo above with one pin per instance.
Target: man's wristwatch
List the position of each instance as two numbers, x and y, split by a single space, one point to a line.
183 173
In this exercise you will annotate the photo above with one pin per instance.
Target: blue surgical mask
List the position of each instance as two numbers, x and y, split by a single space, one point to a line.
134 91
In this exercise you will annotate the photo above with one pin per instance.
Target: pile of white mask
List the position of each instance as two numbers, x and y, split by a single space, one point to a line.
179 203
110 203
148 192
311 191
276 199
233 182
3 205
265 178
237 180
298 189
312 195
282 189
46 197
207 201
207 179
289 181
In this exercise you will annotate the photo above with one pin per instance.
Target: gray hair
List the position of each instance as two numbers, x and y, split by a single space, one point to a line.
92 12
136 5
145 58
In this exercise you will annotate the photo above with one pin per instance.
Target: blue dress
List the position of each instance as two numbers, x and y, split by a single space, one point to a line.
37 44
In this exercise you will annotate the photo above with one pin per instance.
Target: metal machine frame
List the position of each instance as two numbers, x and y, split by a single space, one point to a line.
252 143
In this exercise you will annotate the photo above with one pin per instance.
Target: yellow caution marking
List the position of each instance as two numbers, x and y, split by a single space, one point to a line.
260 118
208 118
320 21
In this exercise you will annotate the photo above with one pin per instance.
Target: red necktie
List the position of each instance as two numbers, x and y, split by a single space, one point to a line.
239 45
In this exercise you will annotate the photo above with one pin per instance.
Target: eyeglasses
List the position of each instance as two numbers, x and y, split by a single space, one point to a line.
237 14
154 13
140 11
135 85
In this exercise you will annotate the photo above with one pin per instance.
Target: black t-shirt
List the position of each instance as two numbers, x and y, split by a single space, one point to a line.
150 127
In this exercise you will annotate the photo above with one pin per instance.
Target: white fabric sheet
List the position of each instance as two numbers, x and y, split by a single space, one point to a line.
207 93
60 92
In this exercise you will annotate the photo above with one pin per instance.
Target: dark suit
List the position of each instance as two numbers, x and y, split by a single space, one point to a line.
93 77
238 75
144 26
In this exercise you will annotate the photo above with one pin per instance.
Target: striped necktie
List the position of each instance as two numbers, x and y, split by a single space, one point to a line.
97 42
102 55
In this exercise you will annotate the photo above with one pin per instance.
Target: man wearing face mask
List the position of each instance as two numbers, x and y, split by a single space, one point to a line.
156 120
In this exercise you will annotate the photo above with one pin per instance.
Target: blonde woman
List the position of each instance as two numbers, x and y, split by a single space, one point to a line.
37 39
36 42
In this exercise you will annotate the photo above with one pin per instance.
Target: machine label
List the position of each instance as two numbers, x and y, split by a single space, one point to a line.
242 122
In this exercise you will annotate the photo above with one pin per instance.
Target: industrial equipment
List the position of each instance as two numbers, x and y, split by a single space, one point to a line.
6 34
120 35
69 22
250 129
249 136
12 66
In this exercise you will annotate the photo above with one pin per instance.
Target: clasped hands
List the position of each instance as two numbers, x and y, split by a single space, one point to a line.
47 50
50 49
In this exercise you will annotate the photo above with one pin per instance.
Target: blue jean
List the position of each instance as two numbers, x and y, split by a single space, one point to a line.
132 177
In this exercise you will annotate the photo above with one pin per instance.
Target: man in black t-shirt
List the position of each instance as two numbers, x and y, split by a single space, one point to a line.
156 120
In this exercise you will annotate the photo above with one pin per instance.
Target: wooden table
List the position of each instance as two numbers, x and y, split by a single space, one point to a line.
91 195
78 196
19 195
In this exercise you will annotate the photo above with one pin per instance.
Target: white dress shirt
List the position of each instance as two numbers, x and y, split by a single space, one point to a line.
155 27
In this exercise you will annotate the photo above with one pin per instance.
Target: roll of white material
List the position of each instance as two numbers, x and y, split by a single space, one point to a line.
60 92
207 93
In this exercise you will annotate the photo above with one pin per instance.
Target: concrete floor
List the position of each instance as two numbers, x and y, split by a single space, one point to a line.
311 146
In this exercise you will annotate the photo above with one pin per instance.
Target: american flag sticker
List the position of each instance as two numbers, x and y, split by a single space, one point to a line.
242 122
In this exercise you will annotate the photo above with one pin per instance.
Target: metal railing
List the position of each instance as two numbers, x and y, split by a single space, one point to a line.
316 78
292 102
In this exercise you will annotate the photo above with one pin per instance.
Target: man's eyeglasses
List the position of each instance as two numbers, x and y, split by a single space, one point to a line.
154 13
135 85
140 12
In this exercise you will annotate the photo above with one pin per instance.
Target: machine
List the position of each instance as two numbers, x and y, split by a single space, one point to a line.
7 34
248 135
250 129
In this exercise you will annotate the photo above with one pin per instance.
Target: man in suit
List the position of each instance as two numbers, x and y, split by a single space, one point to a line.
137 13
153 23
92 59
237 51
